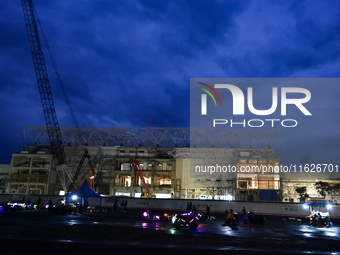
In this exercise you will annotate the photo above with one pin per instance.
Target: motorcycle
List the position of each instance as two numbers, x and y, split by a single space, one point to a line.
151 215
231 223
320 220
254 220
186 220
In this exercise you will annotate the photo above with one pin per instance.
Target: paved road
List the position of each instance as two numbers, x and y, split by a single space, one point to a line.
49 233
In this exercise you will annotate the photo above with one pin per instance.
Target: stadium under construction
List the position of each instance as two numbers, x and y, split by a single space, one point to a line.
174 163
164 162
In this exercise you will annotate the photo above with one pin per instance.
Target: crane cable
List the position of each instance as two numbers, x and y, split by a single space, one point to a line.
60 80
80 136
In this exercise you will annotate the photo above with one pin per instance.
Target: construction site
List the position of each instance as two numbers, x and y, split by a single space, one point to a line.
164 190
164 157
131 162
145 161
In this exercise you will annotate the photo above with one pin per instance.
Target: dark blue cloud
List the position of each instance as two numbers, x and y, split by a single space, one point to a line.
123 62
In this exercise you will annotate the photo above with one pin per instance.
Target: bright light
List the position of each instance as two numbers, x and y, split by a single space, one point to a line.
229 197
305 206
61 193
329 206
174 218
74 197
145 214
162 195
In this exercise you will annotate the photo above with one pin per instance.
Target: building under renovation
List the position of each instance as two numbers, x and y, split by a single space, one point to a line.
168 166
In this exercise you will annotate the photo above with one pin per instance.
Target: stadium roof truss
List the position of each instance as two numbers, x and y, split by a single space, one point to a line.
156 136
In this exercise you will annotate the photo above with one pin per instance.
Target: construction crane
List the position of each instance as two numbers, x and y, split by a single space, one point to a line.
147 194
67 181
50 115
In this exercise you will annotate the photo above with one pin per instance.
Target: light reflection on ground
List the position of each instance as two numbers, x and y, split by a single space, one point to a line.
113 229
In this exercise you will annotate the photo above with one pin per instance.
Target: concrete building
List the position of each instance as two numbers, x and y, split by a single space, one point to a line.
291 181
4 172
31 174
212 173
226 173
171 168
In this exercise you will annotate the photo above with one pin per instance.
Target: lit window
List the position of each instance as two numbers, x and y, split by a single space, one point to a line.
125 166
146 179
166 181
126 181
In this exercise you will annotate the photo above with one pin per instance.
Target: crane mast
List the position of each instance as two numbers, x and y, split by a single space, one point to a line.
50 115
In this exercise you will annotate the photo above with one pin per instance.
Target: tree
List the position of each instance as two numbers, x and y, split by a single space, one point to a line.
301 191
334 189
322 188
325 188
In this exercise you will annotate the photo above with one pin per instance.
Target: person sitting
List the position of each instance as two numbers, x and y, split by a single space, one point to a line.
318 216
230 217
250 216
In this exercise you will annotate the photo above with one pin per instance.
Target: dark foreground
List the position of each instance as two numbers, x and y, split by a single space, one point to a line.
129 233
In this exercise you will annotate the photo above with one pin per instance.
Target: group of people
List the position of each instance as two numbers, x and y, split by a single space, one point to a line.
123 206
191 207
230 216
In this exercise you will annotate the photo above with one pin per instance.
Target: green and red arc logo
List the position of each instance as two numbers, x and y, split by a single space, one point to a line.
209 93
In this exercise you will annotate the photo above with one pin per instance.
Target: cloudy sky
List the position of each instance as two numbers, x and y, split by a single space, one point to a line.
124 62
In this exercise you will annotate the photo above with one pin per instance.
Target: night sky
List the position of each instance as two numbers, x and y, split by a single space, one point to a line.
125 62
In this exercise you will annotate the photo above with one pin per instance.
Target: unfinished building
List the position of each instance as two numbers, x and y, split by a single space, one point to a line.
170 167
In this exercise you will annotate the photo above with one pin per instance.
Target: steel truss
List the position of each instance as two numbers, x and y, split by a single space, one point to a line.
156 136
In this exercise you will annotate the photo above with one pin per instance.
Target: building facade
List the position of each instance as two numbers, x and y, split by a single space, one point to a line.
4 172
170 167
196 173
31 174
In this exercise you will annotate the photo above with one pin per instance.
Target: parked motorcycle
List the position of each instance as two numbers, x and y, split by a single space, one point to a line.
254 220
186 220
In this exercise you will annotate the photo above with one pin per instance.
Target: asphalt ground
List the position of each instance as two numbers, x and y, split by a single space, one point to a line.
129 233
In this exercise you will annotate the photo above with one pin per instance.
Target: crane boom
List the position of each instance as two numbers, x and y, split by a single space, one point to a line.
149 195
141 176
50 114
